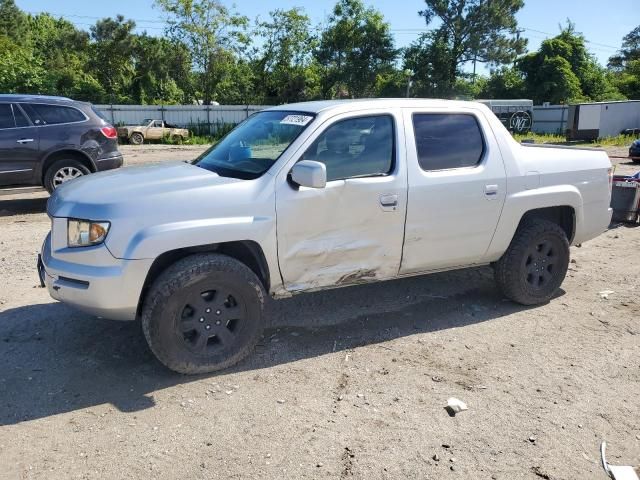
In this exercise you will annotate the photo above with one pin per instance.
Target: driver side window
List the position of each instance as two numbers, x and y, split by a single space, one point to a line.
356 147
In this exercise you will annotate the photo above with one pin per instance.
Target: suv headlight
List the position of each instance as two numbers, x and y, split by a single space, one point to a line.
84 233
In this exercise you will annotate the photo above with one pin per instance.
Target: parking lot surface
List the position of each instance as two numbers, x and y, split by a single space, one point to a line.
348 383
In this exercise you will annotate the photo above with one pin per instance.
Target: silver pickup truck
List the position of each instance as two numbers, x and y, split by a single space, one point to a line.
313 196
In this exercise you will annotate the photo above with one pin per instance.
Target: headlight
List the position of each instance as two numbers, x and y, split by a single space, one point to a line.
84 233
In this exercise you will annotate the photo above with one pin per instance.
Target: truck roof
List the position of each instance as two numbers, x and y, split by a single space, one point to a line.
324 105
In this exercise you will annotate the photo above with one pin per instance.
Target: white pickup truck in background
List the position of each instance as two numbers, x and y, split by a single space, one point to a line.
312 196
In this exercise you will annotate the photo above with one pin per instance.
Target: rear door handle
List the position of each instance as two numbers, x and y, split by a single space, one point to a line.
389 202
25 140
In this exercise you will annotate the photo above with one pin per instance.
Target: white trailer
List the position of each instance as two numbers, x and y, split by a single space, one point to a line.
589 121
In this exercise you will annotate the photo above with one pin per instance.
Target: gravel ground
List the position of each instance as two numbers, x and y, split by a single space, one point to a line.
349 383
136 155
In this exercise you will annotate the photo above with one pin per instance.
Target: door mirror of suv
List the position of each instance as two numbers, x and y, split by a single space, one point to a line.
308 173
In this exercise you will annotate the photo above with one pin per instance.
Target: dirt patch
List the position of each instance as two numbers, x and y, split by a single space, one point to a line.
347 383
157 153
620 159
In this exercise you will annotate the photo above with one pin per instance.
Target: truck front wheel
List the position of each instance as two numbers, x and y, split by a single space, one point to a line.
204 313
535 264
136 138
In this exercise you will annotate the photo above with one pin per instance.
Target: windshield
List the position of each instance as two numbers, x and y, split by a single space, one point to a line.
251 148
146 121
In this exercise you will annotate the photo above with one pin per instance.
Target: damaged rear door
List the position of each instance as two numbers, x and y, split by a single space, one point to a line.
352 230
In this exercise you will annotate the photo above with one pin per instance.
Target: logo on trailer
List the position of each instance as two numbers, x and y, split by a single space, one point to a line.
520 122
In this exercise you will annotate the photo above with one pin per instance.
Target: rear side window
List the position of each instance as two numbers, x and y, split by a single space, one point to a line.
446 141
99 113
54 114
21 120
6 116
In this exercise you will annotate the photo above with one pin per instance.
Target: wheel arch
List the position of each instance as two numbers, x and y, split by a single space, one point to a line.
66 153
562 204
562 215
247 252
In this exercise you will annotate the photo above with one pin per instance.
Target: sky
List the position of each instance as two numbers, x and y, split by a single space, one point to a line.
602 23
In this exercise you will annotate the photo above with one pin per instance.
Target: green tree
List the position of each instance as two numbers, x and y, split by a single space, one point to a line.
355 48
393 83
63 51
429 59
550 79
625 65
235 81
469 87
283 62
20 71
13 22
507 83
212 33
628 81
563 70
629 52
478 31
112 56
162 71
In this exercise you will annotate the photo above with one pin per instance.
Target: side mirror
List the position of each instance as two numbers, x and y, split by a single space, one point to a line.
308 173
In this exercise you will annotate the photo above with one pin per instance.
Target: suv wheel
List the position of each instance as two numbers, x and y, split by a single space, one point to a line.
204 313
535 264
136 138
62 171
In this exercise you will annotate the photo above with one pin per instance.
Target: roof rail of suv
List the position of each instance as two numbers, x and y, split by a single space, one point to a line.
18 96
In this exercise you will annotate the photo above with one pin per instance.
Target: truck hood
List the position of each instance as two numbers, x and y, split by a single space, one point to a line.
134 191
156 208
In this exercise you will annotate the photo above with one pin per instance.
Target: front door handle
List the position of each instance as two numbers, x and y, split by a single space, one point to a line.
491 190
389 202
24 140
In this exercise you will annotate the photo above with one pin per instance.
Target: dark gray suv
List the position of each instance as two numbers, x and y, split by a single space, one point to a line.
50 140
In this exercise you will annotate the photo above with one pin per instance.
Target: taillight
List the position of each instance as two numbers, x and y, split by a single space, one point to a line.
611 180
109 131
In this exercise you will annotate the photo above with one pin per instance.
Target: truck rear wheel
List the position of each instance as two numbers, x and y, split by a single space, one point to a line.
204 313
535 264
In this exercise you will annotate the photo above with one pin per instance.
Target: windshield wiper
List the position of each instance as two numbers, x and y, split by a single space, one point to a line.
365 175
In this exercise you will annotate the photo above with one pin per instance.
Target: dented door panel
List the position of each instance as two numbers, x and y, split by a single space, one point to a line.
349 232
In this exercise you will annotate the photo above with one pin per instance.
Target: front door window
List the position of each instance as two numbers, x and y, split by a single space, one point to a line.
356 147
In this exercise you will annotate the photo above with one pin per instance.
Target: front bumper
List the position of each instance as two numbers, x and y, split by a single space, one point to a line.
109 162
110 288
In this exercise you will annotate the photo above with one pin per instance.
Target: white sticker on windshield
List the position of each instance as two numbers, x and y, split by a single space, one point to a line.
301 120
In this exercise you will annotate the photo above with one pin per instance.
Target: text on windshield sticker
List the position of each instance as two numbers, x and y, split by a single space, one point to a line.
296 120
